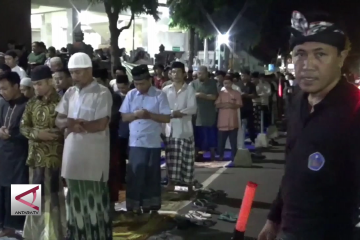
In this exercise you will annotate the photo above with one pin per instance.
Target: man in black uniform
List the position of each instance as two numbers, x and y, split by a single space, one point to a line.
247 111
318 197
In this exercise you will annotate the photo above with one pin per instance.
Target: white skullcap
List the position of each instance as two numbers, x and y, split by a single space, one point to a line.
26 82
80 60
55 60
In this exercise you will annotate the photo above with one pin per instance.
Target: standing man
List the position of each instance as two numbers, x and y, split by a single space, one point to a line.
313 203
117 71
44 159
247 111
180 146
13 150
219 76
62 80
229 102
11 59
84 113
37 56
56 64
159 79
122 83
205 127
146 108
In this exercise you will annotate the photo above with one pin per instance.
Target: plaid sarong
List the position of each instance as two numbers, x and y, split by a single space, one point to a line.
180 158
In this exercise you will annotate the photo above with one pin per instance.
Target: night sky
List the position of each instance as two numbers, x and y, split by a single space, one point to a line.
275 35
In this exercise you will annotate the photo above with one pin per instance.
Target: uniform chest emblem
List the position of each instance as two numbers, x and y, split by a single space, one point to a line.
316 161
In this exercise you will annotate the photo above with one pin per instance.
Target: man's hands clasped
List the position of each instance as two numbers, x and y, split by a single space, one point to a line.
4 133
142 114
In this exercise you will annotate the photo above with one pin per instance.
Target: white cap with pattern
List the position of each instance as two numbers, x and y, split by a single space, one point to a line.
79 60
26 82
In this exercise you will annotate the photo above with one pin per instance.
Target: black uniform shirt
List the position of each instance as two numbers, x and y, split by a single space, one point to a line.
319 191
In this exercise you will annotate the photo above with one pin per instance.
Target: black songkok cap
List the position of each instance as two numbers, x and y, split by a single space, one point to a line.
178 65
40 73
140 72
122 79
316 30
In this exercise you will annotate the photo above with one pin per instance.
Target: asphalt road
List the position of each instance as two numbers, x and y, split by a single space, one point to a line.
266 173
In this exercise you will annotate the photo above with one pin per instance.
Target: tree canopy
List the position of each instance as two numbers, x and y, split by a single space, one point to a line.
245 18
113 9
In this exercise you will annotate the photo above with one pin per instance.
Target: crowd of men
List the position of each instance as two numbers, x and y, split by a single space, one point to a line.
68 125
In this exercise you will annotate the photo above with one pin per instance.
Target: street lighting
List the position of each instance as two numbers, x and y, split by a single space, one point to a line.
223 38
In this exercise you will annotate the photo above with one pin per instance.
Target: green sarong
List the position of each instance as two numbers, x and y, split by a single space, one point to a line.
88 210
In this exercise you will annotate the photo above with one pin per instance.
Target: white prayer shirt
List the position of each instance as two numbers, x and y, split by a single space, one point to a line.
20 71
184 101
86 156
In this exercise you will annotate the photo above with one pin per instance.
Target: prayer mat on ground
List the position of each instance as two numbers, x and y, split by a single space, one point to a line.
135 231
171 201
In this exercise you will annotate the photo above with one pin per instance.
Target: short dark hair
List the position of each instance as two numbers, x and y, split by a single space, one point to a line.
11 53
52 49
11 77
120 68
65 70
12 42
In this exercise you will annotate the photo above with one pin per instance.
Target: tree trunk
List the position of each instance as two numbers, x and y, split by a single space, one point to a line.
113 16
114 43
191 48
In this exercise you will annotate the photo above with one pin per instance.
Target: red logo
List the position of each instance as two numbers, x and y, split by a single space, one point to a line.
33 190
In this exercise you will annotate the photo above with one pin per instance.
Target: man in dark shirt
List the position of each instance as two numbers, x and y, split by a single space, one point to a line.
63 80
247 111
318 197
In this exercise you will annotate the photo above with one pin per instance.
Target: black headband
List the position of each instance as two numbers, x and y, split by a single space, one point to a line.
321 31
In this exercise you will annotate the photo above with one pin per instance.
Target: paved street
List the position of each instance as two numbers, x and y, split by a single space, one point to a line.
266 173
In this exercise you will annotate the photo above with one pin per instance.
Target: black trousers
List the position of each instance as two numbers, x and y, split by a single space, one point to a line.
123 155
222 137
6 220
248 115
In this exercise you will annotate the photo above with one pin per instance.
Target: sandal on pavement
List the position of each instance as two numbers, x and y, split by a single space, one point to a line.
201 213
228 217
204 203
204 223
209 210
195 215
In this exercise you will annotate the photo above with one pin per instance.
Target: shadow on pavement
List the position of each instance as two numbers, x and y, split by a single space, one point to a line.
236 203
269 161
273 151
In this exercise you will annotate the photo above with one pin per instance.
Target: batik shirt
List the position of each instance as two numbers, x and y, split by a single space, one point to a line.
39 115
